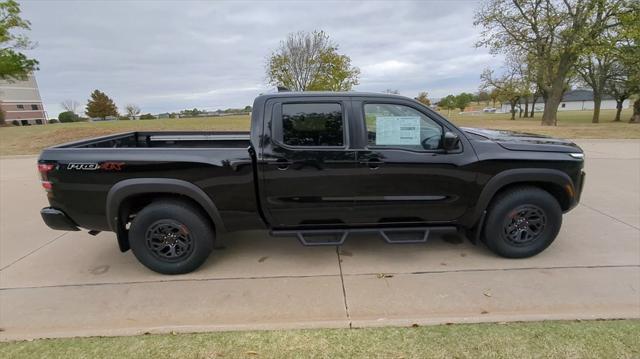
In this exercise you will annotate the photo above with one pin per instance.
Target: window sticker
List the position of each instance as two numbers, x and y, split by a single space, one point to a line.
398 130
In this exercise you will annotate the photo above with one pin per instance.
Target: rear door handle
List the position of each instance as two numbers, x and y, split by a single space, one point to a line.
373 163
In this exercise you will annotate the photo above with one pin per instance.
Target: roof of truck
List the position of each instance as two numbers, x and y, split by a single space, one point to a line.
329 94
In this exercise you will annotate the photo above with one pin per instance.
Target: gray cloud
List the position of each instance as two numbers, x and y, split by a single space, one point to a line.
171 55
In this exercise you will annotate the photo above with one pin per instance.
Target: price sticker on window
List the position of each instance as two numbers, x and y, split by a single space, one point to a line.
398 130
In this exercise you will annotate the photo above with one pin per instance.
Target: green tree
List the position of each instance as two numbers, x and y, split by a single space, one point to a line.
619 87
463 100
100 106
550 35
310 61
596 70
147 116
192 113
447 102
423 98
628 54
14 65
68 116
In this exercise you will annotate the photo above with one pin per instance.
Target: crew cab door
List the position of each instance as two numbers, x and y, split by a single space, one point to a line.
403 173
307 163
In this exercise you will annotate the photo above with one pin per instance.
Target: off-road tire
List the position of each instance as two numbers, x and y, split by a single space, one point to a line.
171 237
522 222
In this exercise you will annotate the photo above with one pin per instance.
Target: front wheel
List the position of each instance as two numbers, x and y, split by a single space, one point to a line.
522 222
171 237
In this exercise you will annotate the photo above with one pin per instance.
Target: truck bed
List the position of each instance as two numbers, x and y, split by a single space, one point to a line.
218 163
165 139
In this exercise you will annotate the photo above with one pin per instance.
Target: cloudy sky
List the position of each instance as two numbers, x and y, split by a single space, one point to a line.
172 55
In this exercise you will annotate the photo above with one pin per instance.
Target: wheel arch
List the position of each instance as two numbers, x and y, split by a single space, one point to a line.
143 190
555 182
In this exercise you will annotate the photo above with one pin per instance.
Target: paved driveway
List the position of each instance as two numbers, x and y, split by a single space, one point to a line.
62 284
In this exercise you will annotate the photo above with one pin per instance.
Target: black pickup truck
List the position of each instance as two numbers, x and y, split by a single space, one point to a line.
319 166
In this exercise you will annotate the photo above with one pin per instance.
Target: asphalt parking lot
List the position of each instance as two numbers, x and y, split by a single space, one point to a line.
66 284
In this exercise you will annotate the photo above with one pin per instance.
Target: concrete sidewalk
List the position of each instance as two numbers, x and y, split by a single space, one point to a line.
66 284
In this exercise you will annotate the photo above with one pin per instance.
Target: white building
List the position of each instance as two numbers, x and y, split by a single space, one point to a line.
573 100
21 102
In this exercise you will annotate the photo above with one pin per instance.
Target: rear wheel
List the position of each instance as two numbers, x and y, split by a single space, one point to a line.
171 237
522 222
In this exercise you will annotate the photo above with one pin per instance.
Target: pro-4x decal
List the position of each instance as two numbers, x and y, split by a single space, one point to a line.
105 166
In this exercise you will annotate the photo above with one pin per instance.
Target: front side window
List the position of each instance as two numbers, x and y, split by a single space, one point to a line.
400 126
34 107
20 107
312 124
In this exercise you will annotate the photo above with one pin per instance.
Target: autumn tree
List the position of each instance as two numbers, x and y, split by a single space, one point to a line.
132 110
311 62
550 34
483 96
14 65
493 95
100 106
423 98
508 87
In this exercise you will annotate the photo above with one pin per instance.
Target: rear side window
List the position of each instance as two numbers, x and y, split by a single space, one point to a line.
312 124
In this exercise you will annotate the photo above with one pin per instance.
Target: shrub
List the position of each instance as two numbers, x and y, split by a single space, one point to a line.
123 118
54 120
147 116
15 123
68 116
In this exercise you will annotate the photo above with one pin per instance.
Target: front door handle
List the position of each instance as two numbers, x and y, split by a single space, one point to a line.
282 164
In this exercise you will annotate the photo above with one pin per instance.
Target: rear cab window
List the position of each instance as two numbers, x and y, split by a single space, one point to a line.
313 125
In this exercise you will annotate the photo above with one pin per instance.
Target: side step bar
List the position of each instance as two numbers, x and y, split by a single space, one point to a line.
337 237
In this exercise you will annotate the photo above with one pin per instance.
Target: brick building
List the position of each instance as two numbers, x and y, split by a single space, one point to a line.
21 102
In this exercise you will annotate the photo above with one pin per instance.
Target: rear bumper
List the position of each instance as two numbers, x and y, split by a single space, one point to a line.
56 219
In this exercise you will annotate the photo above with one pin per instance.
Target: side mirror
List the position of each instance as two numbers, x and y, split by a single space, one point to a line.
450 141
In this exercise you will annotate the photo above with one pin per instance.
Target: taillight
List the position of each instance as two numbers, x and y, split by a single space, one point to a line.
47 186
44 169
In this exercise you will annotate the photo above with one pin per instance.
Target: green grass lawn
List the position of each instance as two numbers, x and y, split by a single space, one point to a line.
571 124
586 339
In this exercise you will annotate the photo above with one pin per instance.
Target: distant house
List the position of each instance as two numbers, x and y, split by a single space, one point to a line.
108 118
21 102
574 100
